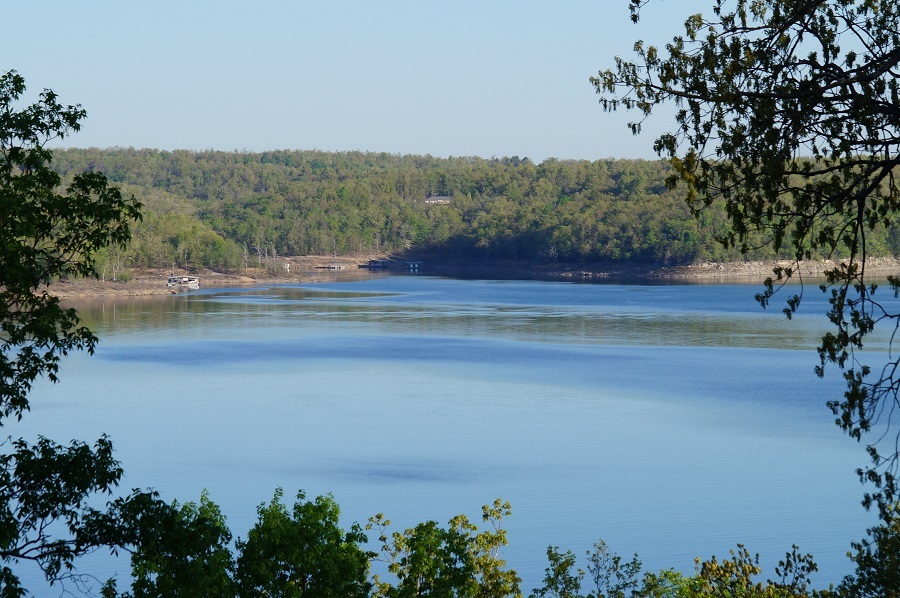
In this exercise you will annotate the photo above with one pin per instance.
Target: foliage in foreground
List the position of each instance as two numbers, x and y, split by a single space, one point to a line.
787 115
304 552
51 509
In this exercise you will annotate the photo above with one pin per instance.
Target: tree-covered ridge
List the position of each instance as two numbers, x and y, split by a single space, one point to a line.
221 209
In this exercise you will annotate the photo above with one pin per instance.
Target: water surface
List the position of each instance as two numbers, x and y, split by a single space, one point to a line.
670 420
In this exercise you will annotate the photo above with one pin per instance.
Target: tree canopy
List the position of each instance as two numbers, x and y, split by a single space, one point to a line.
46 233
48 492
788 114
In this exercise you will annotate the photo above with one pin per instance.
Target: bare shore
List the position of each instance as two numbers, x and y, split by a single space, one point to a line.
749 271
310 269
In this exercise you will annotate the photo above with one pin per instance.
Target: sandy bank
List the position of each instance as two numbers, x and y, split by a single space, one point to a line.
749 271
310 269
147 281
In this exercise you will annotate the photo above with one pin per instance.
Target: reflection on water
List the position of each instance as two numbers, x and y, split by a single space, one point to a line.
595 314
670 420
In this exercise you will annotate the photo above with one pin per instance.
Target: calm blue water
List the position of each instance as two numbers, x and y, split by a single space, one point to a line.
669 420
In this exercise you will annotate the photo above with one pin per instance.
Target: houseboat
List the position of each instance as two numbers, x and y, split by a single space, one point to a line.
183 282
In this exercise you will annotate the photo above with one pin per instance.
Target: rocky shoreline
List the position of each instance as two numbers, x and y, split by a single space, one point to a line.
755 270
149 281
311 269
748 271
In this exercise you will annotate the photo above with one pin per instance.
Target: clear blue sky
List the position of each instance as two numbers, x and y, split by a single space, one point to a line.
460 77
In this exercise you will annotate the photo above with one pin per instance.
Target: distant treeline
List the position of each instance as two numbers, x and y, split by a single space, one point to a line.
231 209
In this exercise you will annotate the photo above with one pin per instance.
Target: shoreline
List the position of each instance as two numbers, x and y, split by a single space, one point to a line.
312 269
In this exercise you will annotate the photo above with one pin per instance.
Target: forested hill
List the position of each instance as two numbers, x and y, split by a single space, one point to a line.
221 209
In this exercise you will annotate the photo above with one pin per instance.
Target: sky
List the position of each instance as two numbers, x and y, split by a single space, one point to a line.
489 78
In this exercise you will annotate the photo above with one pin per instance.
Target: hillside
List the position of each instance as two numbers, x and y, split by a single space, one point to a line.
232 210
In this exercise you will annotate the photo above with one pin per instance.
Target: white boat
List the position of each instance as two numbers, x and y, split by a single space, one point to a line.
184 282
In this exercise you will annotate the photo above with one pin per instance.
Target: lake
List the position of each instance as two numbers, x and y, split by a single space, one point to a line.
671 420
